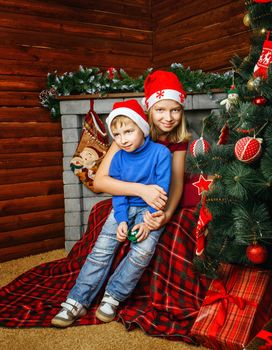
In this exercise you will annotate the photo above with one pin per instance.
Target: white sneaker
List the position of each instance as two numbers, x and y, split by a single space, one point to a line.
71 310
107 309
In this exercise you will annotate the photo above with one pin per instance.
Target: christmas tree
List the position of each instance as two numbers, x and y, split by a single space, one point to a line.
234 159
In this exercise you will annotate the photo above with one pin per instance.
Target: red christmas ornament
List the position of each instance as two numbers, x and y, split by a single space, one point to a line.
260 101
248 149
262 1
224 136
199 146
256 253
202 184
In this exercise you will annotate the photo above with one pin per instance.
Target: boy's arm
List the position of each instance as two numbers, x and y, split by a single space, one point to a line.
119 203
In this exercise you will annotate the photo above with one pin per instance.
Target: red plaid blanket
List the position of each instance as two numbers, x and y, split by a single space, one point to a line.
165 302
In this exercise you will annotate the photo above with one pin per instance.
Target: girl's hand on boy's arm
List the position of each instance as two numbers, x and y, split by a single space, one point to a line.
143 231
155 220
153 195
122 229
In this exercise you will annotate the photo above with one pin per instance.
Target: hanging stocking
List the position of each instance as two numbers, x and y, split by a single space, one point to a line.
91 149
261 67
204 218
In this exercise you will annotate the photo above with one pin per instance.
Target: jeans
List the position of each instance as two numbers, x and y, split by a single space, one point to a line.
97 265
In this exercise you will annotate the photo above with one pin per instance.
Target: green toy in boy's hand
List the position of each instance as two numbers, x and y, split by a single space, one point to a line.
131 235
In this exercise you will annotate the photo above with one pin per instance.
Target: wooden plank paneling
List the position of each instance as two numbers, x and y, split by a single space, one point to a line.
20 160
40 218
27 145
30 129
32 234
220 23
21 114
21 250
14 176
30 205
30 189
199 36
61 40
168 12
51 9
196 56
89 30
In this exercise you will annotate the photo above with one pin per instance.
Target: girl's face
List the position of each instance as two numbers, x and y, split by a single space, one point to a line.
128 136
166 115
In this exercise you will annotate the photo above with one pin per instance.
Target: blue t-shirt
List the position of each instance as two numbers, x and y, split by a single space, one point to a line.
150 164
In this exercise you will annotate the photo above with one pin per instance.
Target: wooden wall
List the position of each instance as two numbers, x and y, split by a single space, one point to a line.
37 37
199 34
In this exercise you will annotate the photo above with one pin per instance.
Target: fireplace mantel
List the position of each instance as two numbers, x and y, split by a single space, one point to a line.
78 200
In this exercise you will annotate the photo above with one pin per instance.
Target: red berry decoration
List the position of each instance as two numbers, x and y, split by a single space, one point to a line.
245 131
256 253
111 72
248 149
259 101
199 146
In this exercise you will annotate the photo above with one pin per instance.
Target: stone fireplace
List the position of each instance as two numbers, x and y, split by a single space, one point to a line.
78 200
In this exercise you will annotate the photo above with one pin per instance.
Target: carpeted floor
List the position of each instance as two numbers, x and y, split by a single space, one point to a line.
112 336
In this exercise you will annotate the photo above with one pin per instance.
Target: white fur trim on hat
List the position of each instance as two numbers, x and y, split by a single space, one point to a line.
166 94
130 113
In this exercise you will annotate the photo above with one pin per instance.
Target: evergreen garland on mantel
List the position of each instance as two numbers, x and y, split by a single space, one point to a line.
92 80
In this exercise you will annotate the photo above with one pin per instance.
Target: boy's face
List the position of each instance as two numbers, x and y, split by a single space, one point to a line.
128 136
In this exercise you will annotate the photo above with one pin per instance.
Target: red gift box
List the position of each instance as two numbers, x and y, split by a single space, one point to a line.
263 340
236 307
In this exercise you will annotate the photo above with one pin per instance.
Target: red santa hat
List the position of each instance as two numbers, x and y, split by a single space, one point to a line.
131 109
162 85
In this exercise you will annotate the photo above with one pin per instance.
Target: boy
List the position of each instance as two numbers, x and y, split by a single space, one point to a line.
139 160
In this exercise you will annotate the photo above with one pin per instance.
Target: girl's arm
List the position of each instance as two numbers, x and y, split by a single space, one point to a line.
177 182
160 218
153 195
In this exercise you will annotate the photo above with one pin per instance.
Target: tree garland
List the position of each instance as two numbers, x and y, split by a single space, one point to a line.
92 80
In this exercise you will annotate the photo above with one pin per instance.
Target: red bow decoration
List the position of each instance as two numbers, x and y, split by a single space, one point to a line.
221 294
267 336
204 218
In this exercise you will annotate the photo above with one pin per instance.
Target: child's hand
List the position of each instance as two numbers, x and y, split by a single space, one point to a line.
155 220
154 195
121 233
143 231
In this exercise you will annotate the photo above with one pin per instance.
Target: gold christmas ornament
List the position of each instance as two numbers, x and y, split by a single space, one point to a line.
246 20
250 84
263 31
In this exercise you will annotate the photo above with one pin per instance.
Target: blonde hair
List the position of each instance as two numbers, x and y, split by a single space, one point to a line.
119 121
178 134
